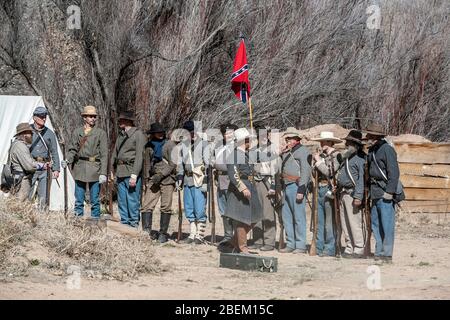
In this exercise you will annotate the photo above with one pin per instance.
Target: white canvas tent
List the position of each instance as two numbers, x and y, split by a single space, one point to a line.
17 109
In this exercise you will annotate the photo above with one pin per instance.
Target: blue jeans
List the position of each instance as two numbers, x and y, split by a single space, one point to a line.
294 218
227 222
80 192
222 200
325 242
194 204
129 201
383 226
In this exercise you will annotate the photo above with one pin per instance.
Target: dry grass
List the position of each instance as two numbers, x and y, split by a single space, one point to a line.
59 243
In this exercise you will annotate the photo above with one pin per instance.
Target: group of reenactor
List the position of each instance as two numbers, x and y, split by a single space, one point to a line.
256 181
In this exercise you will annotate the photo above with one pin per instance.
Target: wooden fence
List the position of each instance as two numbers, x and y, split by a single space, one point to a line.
425 174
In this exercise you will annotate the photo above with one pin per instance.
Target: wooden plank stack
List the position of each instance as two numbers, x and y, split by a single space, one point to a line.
425 174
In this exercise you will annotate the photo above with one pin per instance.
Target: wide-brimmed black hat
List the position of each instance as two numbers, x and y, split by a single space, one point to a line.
127 115
156 128
354 136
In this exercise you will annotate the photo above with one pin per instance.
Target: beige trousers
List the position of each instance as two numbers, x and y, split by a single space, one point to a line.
151 197
22 191
351 221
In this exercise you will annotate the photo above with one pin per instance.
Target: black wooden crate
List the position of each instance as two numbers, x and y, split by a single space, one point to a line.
248 262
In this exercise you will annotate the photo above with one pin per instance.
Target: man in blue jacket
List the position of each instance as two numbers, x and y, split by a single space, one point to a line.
44 149
384 177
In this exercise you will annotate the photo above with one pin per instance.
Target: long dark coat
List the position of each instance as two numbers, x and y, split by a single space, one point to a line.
238 207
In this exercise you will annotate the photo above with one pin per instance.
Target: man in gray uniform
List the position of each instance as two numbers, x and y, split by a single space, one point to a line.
22 164
264 232
385 190
296 173
325 162
44 148
220 164
244 204
192 178
351 185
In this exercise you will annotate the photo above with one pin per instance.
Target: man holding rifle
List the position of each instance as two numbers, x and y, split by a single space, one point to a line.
385 190
325 162
192 178
351 186
264 233
160 181
88 158
44 149
222 180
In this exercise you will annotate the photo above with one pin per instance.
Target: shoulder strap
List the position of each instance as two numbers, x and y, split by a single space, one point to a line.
42 139
378 167
349 173
121 145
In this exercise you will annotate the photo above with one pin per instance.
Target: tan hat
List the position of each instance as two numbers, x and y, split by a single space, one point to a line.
327 136
375 129
292 132
23 127
89 111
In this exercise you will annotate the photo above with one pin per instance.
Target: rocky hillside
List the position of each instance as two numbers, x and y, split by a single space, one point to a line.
311 62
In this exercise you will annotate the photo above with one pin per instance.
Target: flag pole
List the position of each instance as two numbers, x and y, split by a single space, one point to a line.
250 107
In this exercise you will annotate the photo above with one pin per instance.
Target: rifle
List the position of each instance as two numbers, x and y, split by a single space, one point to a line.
314 214
210 193
367 251
63 145
49 185
212 206
278 205
337 211
180 217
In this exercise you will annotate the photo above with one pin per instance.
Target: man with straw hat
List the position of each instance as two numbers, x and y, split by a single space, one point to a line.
325 162
296 173
351 185
21 163
384 190
88 158
243 205
127 159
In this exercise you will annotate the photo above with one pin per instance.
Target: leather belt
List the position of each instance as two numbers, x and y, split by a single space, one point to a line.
188 174
91 159
291 178
41 159
222 173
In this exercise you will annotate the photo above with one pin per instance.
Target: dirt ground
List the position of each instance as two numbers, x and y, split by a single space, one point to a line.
420 271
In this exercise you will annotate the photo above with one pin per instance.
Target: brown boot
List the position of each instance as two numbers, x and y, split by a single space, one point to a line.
241 233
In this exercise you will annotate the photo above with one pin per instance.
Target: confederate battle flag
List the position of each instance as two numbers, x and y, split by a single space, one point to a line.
239 79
